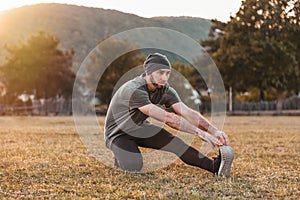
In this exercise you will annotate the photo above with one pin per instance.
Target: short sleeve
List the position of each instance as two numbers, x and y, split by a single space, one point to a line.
139 98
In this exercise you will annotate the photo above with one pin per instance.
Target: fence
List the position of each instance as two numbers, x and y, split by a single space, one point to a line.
292 103
60 106
289 104
57 106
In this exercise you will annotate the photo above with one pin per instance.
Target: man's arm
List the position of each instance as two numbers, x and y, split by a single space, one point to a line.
177 122
199 121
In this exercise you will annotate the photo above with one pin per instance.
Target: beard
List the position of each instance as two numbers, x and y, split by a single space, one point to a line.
157 85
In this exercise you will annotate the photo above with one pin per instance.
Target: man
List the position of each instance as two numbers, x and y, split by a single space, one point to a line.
127 128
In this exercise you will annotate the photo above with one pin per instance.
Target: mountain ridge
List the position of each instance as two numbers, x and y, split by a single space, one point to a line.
80 27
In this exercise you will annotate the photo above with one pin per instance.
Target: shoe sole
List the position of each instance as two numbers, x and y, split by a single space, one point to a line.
227 156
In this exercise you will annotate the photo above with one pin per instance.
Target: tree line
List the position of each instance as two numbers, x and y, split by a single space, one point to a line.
257 53
36 68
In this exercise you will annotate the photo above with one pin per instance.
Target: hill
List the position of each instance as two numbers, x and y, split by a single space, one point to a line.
80 27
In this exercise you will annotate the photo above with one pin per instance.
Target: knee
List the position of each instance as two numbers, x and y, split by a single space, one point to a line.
132 164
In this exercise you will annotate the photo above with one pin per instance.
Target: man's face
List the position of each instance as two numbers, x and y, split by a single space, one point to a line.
160 77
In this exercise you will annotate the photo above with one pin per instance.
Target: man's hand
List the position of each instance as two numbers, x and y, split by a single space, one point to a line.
223 138
209 138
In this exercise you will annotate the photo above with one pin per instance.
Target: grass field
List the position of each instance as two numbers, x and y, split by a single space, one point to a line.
43 158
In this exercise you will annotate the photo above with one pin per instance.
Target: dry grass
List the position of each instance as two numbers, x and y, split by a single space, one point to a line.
43 158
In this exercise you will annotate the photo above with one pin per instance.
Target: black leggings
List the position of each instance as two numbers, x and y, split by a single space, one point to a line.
129 158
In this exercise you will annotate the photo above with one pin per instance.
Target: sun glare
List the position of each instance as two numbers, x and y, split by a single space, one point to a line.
209 10
16 3
11 4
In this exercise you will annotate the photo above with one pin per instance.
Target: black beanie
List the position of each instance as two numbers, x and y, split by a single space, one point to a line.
155 62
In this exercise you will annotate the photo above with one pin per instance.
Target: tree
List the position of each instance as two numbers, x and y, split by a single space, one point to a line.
260 47
106 64
114 73
216 31
38 68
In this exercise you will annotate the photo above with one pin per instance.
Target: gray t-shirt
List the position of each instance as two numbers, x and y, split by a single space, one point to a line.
123 115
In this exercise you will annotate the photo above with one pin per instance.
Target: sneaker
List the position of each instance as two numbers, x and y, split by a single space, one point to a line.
227 155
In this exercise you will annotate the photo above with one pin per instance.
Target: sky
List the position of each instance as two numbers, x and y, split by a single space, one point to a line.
208 9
